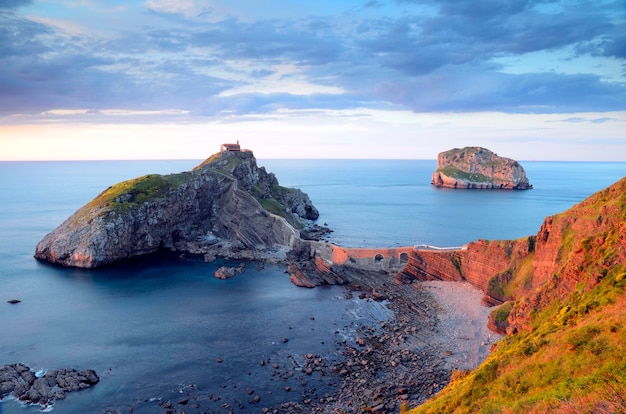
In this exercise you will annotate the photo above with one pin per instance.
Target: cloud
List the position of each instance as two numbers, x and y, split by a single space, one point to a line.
476 32
267 103
613 46
581 119
187 8
602 120
21 37
271 40
420 55
516 93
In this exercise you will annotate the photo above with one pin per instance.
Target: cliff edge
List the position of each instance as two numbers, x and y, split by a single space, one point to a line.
476 167
563 295
227 206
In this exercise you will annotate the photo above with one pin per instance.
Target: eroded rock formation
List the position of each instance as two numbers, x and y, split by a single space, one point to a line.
227 207
476 167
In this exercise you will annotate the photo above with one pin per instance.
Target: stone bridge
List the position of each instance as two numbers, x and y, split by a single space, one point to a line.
389 259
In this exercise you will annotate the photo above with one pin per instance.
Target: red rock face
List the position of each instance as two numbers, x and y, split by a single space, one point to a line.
574 248
489 265
478 264
430 265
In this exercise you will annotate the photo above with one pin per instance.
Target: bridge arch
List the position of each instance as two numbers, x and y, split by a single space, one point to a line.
379 258
404 257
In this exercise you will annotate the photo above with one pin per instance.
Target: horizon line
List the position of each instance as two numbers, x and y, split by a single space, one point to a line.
277 158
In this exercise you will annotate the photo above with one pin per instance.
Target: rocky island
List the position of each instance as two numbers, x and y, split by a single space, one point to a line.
226 207
476 167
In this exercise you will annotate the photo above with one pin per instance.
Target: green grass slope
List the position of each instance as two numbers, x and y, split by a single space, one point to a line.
573 361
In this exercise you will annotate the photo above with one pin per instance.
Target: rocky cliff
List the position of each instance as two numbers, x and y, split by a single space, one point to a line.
227 206
489 265
565 318
476 167
573 249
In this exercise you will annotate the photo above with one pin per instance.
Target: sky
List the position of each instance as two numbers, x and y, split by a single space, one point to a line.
405 79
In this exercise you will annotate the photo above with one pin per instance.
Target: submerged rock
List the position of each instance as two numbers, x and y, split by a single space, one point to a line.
476 167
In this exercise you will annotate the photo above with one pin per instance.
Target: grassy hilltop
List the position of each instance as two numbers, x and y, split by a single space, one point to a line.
567 353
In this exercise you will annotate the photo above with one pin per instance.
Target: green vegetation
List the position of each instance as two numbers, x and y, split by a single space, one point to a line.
573 359
271 204
515 280
135 192
501 313
456 151
131 194
454 172
208 161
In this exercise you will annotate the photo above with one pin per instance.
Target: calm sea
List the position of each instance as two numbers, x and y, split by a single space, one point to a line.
155 330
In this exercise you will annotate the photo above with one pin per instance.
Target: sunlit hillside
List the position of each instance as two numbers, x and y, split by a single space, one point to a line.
569 355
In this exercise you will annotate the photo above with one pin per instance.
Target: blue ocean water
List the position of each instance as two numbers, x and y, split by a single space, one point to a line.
154 329
391 202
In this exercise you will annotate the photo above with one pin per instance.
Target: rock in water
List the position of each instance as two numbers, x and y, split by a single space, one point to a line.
476 167
26 386
225 272
226 206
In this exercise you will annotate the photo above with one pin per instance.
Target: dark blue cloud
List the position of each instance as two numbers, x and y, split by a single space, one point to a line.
304 42
21 37
611 46
43 70
478 32
535 93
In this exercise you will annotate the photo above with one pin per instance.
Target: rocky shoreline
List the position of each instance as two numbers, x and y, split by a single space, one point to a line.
43 388
407 359
398 362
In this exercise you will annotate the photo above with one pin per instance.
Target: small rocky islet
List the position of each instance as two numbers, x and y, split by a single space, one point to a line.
478 168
